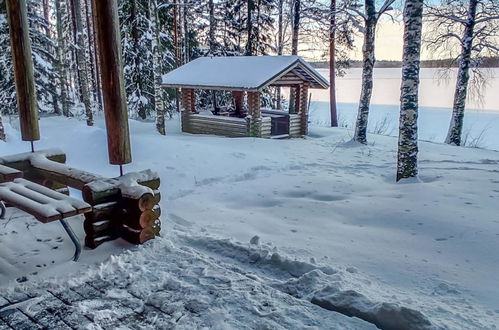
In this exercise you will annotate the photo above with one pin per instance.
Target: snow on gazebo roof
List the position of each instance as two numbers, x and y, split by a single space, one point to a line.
243 73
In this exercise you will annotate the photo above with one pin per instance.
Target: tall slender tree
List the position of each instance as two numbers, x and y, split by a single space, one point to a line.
82 60
61 60
464 30
332 66
370 16
407 164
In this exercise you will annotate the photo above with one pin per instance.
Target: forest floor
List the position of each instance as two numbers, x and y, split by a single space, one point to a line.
268 234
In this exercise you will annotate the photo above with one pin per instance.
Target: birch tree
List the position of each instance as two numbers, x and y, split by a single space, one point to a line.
407 163
370 17
464 30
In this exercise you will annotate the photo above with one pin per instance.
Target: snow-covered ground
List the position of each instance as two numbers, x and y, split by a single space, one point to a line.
328 227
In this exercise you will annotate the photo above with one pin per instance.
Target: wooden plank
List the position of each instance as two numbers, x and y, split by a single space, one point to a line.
216 123
9 173
23 69
216 127
107 30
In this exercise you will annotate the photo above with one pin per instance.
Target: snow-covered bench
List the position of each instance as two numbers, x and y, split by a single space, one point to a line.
9 174
45 204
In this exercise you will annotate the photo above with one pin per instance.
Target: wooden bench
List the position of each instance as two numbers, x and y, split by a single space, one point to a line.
9 174
44 204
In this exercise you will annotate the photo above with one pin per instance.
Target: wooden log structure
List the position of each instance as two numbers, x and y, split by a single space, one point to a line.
127 206
23 69
238 97
254 113
303 109
108 40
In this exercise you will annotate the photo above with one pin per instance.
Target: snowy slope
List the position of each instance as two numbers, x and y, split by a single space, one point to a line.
363 244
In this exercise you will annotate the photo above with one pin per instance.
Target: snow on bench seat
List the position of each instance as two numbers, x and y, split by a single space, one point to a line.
44 204
9 174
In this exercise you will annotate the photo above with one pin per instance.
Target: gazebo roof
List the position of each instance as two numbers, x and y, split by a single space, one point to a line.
249 73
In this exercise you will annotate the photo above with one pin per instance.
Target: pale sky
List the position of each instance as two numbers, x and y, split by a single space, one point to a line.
389 43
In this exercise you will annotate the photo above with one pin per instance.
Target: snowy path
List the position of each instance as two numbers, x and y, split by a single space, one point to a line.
161 286
364 245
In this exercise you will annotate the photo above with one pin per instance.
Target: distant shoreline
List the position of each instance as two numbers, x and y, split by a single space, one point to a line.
488 62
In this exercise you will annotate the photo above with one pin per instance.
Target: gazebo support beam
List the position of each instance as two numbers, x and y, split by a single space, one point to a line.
113 86
302 98
255 112
238 97
23 69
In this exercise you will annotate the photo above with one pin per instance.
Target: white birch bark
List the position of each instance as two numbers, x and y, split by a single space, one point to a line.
407 164
456 124
367 72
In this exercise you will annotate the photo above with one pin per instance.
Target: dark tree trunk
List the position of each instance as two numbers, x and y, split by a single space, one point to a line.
211 31
332 69
367 72
407 164
82 62
2 129
463 76
113 83
280 46
294 48
249 28
159 104
23 69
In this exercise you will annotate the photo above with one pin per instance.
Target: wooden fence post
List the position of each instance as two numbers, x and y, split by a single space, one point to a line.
23 69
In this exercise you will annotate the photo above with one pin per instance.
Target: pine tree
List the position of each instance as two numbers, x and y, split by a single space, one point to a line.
60 62
407 165
82 61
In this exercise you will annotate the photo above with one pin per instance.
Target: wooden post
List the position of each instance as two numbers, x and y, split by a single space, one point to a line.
113 87
188 99
302 97
255 112
23 69
296 99
238 97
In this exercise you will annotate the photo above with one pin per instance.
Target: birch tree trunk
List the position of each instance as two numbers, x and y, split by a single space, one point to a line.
156 48
463 76
82 62
367 72
332 69
407 163
61 60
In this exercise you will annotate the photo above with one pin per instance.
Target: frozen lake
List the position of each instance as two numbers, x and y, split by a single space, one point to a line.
436 96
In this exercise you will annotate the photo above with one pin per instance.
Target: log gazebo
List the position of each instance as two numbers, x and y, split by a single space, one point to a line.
248 75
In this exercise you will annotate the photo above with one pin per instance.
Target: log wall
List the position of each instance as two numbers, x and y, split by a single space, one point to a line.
295 125
224 126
